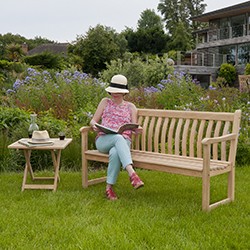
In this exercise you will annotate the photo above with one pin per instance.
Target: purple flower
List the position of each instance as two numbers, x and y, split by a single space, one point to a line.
27 79
10 91
68 80
166 81
150 90
17 84
45 72
66 73
211 87
32 72
58 74
160 86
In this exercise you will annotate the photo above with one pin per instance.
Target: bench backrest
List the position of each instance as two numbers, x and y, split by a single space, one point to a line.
181 132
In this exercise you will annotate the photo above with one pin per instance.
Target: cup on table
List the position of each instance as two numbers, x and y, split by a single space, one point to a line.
61 135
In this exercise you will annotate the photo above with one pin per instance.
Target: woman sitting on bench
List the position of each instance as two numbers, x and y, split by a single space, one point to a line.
114 112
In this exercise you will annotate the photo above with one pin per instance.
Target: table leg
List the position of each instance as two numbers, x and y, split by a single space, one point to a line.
56 158
28 168
56 162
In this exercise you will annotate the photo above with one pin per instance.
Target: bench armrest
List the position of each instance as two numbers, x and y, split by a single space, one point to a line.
223 138
85 129
84 134
207 142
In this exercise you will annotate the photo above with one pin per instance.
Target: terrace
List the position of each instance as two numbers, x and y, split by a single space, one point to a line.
225 40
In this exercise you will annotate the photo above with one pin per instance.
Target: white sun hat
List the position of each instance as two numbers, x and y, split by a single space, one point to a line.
40 136
118 84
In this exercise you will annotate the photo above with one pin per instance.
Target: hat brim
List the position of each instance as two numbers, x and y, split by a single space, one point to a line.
116 90
39 141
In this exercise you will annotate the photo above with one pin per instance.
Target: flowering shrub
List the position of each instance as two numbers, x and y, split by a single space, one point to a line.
63 92
228 72
66 100
180 92
247 69
139 71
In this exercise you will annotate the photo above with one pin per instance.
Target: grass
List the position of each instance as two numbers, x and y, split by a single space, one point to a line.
165 214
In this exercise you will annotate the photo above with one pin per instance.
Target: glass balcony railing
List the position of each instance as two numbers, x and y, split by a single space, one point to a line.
206 59
226 33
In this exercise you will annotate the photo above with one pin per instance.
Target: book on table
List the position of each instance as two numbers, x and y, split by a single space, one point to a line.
121 129
29 143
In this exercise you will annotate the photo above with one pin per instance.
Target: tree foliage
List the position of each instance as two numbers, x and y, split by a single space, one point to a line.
150 36
178 15
228 72
96 48
148 20
11 45
46 60
181 39
13 52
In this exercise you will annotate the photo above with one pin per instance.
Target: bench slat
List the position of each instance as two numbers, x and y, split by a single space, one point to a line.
193 134
200 137
215 145
170 136
157 134
163 135
185 137
177 137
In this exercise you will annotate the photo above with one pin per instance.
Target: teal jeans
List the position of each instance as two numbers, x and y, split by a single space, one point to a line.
118 149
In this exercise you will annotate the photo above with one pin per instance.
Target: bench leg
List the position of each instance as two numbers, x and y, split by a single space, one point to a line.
84 173
231 184
206 193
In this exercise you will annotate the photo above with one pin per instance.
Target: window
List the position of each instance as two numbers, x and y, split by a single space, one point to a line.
228 54
248 25
224 28
238 25
244 53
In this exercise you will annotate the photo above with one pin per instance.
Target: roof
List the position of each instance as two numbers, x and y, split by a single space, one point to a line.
233 10
57 48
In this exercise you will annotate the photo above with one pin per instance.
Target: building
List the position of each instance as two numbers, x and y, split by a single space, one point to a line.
225 40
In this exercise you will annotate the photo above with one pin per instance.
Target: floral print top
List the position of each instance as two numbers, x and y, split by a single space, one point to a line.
115 115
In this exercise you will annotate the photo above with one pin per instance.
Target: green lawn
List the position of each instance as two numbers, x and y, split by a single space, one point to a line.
165 214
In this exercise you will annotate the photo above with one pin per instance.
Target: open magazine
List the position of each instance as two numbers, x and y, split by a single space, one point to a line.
127 126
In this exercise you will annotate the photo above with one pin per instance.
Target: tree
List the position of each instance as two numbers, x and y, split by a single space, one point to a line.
8 39
150 36
13 52
181 39
96 48
46 60
131 37
148 20
151 41
180 11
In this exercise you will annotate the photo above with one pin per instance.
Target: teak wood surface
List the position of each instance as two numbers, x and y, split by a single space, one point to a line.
191 143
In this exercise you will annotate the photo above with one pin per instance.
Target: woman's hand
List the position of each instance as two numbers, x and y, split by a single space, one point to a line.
138 130
94 128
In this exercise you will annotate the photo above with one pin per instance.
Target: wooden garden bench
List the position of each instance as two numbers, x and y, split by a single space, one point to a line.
191 143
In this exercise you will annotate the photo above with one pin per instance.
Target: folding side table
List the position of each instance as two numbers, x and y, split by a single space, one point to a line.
55 149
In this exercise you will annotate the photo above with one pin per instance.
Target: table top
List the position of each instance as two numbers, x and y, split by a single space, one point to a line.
57 144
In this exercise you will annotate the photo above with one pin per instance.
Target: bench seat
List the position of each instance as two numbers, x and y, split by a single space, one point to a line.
183 165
